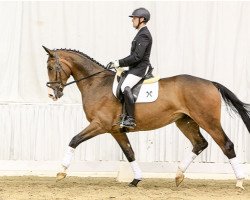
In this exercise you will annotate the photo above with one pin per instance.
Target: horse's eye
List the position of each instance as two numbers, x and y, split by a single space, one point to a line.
50 68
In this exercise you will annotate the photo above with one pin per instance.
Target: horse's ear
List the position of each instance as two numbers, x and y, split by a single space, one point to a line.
50 52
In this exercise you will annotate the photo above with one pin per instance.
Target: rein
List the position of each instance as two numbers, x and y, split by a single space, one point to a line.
58 74
76 81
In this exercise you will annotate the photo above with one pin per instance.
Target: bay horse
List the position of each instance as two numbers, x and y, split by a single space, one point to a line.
191 102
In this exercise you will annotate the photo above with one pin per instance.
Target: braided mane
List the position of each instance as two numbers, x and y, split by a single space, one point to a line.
83 54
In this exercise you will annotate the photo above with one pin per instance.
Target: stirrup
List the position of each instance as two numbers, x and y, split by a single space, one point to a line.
128 123
127 126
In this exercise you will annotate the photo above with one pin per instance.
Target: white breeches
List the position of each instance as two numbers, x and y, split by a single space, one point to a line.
131 80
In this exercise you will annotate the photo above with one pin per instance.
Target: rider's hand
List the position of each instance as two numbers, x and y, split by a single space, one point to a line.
115 64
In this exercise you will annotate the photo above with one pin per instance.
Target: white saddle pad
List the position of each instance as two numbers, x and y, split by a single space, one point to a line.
148 92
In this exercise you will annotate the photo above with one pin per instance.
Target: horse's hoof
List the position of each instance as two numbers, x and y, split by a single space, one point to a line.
134 183
179 179
239 184
60 176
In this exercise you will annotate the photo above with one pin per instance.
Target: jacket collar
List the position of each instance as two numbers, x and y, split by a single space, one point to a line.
142 28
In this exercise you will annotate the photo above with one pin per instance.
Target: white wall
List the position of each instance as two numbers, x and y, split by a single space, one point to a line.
206 39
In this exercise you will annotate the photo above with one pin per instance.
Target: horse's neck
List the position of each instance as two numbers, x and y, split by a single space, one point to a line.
86 68
80 71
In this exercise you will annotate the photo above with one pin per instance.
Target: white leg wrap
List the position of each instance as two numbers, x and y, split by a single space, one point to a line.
187 161
68 157
238 171
136 169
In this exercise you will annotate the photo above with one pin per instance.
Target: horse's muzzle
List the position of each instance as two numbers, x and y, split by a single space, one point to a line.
55 94
58 93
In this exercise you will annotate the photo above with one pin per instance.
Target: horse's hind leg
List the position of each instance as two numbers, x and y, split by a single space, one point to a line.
227 147
126 147
191 130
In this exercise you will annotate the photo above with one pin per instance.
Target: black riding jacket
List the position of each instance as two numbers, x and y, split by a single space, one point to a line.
138 60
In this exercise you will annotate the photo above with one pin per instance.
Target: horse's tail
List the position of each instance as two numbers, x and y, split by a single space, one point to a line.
235 104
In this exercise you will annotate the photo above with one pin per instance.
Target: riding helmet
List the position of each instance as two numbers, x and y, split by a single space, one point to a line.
141 12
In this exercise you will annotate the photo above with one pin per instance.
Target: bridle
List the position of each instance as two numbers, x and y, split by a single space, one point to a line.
59 69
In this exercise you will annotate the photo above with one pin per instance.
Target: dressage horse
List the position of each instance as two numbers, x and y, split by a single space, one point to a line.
191 102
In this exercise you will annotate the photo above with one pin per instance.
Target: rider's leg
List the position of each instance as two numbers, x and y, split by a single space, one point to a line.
129 105
130 81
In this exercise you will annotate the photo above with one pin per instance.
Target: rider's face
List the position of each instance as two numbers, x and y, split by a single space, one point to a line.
135 21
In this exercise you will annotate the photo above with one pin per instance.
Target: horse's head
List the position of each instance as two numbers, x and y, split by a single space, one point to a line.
58 71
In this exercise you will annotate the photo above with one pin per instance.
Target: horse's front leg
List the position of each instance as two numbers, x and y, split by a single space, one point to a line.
90 131
126 147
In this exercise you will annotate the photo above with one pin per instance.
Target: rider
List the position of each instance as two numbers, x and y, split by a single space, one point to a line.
138 62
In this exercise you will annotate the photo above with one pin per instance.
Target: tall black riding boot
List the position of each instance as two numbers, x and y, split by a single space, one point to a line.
129 121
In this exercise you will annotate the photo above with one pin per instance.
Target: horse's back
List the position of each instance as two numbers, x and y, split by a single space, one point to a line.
185 78
187 82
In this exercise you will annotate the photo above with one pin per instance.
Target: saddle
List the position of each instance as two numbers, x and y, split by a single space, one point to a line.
148 86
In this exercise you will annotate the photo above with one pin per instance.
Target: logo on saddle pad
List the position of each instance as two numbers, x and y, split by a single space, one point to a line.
143 92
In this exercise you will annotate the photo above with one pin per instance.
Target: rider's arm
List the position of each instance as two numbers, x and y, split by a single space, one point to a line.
141 45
